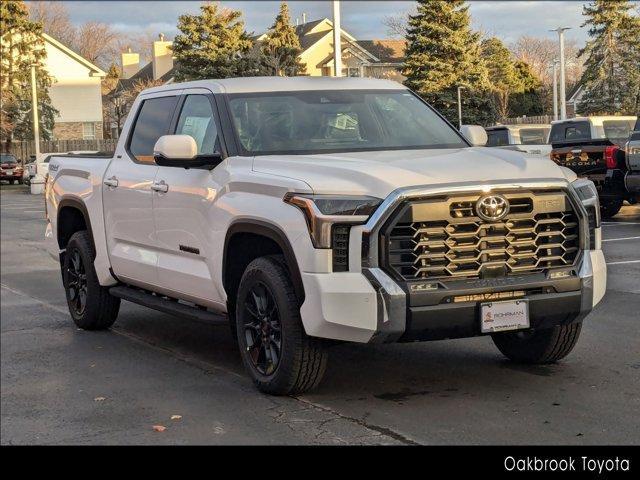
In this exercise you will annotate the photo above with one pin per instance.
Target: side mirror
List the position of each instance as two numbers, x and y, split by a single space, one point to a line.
182 151
475 134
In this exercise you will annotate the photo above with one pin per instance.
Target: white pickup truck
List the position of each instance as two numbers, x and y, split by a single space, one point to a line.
305 211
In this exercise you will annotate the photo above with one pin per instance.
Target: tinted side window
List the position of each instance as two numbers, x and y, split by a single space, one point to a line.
153 121
533 136
617 129
570 131
497 138
196 119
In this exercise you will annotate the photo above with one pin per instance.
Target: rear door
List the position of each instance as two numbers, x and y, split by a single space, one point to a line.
127 194
189 243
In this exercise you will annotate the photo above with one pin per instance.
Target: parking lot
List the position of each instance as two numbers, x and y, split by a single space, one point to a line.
61 385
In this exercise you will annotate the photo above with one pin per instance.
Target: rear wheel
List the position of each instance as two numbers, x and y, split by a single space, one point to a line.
276 352
538 346
610 208
90 304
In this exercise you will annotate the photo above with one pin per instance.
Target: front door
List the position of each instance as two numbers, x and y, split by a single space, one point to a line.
127 194
185 230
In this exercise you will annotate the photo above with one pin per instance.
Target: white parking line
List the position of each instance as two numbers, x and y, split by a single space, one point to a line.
620 239
624 262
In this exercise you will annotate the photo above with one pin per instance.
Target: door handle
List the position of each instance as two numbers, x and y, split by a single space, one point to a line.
111 182
160 187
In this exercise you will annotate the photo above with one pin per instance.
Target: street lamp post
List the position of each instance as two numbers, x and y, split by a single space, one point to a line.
555 89
563 95
460 108
337 47
34 108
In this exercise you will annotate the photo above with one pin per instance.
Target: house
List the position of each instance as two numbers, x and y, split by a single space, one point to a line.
75 92
360 58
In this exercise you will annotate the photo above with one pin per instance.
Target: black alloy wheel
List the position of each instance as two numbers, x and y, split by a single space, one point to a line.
77 282
262 329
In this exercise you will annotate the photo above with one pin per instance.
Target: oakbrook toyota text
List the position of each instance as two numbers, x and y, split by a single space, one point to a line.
308 211
569 464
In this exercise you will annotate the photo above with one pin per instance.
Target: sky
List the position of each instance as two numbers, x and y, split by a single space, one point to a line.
507 19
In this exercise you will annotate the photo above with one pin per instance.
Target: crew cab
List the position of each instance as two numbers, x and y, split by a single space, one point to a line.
593 148
531 139
632 159
308 211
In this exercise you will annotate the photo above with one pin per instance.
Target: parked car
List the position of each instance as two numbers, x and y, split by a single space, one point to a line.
308 210
592 148
40 166
10 168
632 152
531 139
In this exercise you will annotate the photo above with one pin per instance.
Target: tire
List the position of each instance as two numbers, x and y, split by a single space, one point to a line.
610 208
99 309
267 314
538 347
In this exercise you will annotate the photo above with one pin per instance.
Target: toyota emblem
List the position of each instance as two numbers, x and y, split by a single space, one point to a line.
492 208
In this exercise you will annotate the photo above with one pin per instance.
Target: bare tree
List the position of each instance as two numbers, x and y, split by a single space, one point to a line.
396 25
97 42
55 20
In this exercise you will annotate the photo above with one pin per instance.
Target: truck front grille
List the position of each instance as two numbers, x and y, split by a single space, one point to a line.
444 238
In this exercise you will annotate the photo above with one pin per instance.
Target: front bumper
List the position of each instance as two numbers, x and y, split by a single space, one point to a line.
372 307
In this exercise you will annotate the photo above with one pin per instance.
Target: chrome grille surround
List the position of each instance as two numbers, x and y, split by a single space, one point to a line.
373 242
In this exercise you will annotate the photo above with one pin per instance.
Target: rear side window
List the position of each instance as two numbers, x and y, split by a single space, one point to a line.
533 136
153 121
497 138
562 132
8 159
617 129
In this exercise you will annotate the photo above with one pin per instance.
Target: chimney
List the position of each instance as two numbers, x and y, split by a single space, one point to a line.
304 18
161 57
130 63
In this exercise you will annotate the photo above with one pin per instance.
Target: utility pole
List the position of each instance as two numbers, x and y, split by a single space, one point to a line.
555 89
337 48
563 93
460 108
34 107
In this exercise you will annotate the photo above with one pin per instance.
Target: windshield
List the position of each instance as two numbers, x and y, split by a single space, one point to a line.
4 158
498 137
308 122
561 132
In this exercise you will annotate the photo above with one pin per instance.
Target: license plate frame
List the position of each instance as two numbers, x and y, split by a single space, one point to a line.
504 316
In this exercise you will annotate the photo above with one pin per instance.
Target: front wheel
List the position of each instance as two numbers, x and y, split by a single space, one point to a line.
90 304
538 346
276 352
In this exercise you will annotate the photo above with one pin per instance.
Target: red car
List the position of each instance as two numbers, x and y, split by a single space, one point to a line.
10 168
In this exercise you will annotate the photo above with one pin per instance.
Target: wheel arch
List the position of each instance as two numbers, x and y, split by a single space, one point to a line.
270 232
72 215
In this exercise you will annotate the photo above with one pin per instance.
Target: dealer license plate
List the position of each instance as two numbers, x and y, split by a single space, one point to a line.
503 316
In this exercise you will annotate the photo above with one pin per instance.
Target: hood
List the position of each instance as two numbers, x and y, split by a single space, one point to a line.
379 173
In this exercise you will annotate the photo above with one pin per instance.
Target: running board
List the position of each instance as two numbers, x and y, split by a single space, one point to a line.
165 305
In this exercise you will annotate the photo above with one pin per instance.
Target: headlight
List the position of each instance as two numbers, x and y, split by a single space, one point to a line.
323 211
588 195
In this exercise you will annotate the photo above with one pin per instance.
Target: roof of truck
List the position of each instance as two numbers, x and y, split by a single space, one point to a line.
596 120
282 84
518 126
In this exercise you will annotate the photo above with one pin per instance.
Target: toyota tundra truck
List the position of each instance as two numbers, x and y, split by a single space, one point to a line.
306 212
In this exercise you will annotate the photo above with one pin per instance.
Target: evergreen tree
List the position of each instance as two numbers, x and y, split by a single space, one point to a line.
531 100
281 48
504 77
612 59
21 46
444 53
213 44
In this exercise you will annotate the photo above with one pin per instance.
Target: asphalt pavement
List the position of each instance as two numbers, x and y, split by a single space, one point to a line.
61 385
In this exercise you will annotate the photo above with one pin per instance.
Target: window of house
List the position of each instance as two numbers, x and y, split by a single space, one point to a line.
154 120
196 119
88 131
351 72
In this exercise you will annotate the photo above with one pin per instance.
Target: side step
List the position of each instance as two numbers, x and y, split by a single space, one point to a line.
163 304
